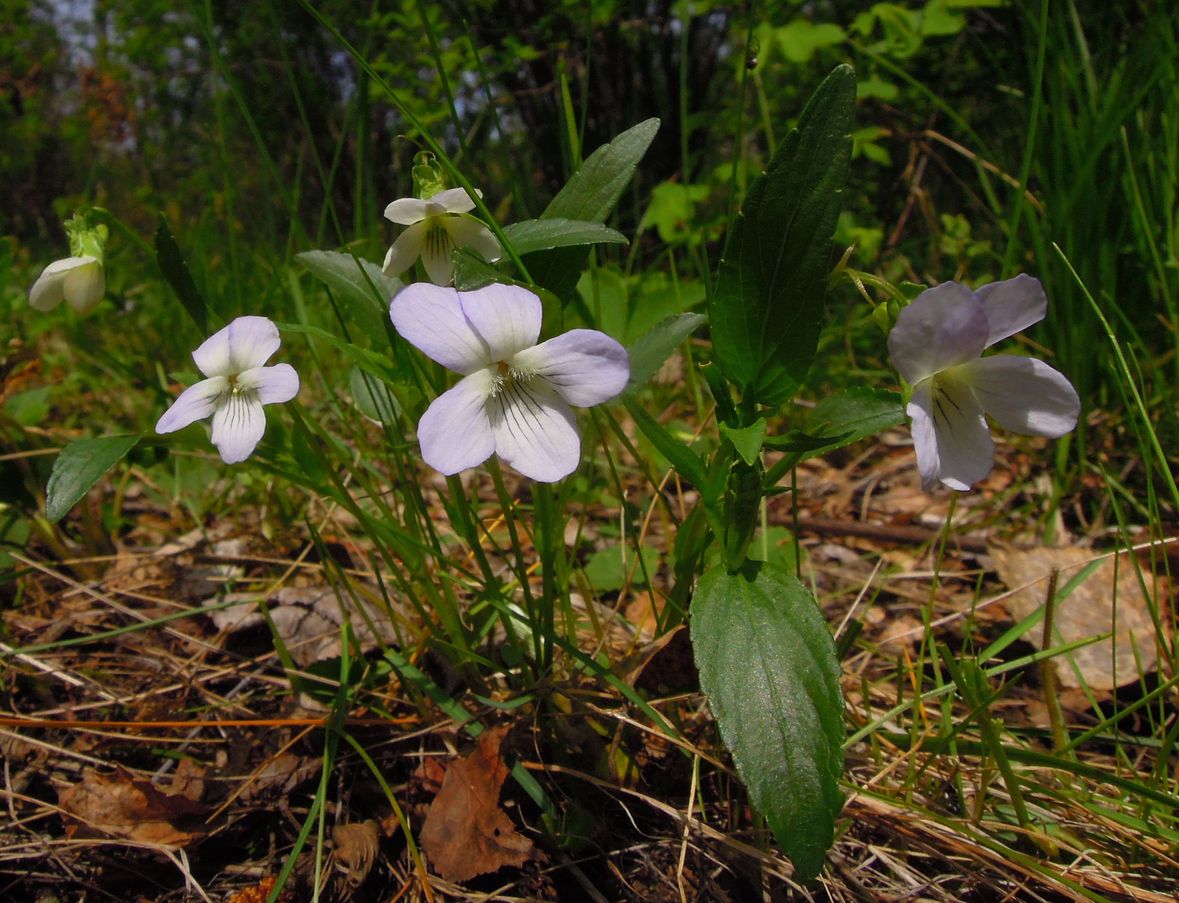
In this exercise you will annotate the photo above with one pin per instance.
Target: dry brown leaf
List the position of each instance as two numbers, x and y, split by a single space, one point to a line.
308 619
466 832
1089 610
120 805
355 847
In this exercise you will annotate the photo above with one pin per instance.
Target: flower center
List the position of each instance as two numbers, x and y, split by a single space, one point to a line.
505 376
438 240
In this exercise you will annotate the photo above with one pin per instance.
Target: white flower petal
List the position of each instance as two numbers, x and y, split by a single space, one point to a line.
472 234
238 425
950 435
195 403
50 288
944 326
438 252
245 343
454 200
455 433
406 249
506 317
1012 305
535 430
585 366
407 211
271 385
1024 394
430 317
85 285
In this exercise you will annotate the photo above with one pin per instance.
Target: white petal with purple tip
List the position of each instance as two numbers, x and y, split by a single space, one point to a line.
1024 394
1012 305
455 432
430 317
586 366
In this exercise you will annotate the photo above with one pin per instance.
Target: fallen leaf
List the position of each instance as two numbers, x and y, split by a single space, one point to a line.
355 846
120 805
1089 610
307 618
466 832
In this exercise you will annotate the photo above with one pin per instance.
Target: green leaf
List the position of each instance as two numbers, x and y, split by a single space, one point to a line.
472 272
648 353
747 440
607 572
768 666
175 271
768 306
800 39
689 464
597 185
852 415
372 397
78 467
359 284
532 235
589 196
370 362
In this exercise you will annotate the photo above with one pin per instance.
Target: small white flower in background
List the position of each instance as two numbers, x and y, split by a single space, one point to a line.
236 387
436 227
515 396
936 346
79 280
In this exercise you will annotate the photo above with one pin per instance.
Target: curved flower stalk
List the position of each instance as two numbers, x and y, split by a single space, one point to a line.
436 227
79 280
516 397
236 387
936 346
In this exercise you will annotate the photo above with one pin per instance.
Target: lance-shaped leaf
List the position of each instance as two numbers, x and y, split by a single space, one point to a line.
768 665
532 235
175 270
589 196
767 309
360 284
79 466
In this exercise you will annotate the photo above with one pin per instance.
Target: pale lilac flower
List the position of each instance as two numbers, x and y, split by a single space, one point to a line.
236 387
515 395
81 281
436 227
936 346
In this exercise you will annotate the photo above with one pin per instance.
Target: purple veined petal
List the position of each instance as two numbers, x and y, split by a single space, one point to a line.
406 249
472 234
950 435
1024 394
438 251
271 385
85 285
238 425
49 289
1012 305
245 343
507 318
407 211
430 317
454 200
195 403
455 433
585 366
944 326
535 430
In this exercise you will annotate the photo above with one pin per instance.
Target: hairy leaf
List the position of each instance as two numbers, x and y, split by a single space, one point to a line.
768 306
175 271
532 235
768 665
79 466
